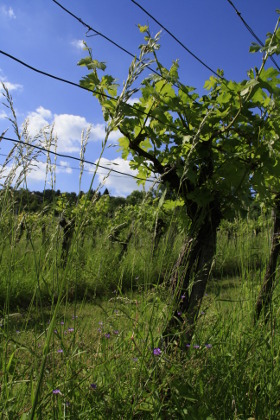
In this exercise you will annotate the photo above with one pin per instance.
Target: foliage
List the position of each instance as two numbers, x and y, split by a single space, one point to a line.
211 151
64 358
177 134
101 360
98 357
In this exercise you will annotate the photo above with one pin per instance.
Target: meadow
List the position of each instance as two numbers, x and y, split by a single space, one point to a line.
92 285
81 330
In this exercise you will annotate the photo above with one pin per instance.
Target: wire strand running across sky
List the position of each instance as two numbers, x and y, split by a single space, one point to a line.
90 28
75 168
62 155
178 41
60 79
251 31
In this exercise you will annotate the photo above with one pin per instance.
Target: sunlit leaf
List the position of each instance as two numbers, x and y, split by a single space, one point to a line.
143 28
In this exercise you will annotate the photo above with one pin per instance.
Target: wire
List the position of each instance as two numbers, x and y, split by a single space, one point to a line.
251 31
137 110
90 28
94 30
75 158
56 77
178 41
60 79
76 168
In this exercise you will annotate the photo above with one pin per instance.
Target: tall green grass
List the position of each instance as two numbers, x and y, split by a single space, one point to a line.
80 338
78 341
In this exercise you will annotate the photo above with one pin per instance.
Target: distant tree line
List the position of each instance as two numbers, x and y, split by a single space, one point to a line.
44 201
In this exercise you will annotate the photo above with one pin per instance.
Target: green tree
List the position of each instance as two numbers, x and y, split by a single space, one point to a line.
207 150
136 197
266 179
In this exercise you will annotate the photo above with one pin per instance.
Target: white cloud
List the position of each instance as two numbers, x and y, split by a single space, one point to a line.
78 43
38 119
63 163
133 101
45 113
3 115
10 86
7 12
65 167
37 172
120 185
68 128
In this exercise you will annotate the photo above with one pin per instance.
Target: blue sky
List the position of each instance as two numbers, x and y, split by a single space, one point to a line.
44 36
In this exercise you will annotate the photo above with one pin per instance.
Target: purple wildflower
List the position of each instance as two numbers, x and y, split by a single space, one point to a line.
202 313
116 332
74 316
183 296
100 323
157 351
59 351
196 346
107 335
179 313
55 331
93 386
208 346
62 323
188 345
70 329
99 330
56 391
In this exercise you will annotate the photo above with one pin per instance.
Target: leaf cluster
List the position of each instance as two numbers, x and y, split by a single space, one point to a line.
207 148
